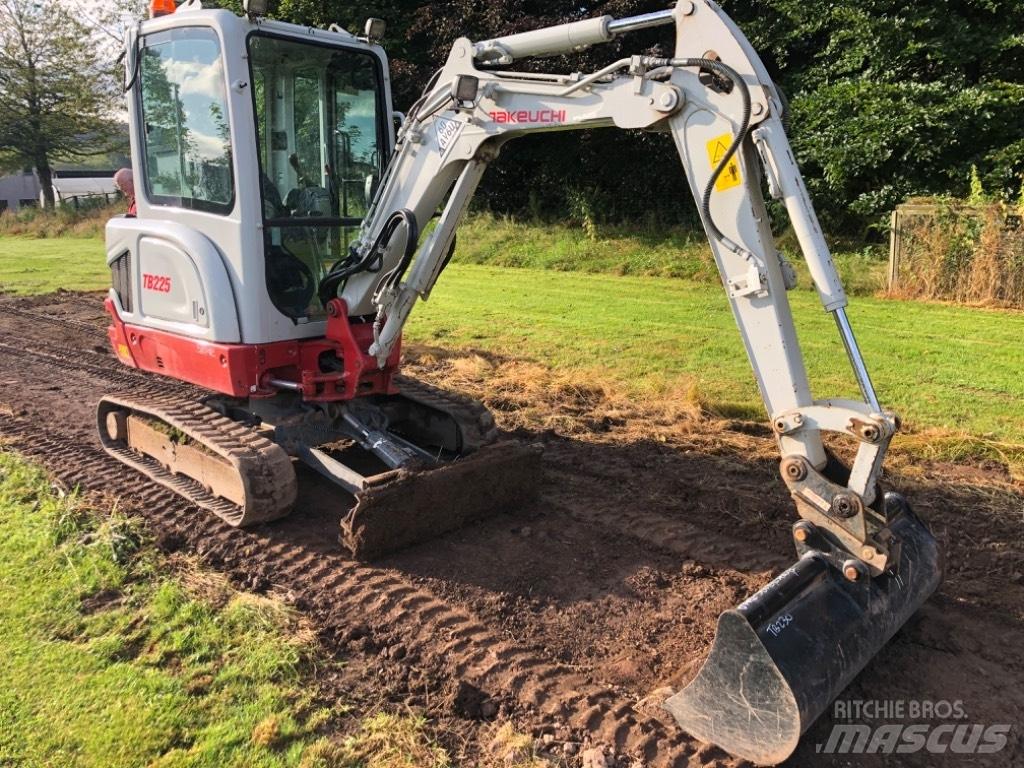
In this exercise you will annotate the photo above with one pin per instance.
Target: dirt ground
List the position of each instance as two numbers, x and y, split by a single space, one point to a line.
573 618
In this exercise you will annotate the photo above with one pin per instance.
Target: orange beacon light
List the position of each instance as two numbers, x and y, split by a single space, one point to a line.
161 8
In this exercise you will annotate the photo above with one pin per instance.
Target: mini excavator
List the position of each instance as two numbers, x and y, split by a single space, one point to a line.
289 220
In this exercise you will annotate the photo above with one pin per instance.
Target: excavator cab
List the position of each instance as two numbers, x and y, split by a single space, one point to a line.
261 144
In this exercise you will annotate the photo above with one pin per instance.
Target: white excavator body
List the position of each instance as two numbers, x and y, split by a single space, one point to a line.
277 252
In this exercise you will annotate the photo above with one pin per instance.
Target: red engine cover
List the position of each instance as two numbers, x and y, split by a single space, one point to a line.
244 370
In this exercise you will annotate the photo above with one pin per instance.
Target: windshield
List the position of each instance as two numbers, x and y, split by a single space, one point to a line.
187 157
320 139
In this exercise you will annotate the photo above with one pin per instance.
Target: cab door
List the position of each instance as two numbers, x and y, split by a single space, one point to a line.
179 280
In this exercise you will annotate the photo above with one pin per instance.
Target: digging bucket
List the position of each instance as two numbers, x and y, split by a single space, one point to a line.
782 656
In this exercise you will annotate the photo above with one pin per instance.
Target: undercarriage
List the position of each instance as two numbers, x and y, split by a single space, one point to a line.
418 463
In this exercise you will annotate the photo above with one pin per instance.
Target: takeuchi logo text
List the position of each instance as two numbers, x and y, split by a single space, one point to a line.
529 116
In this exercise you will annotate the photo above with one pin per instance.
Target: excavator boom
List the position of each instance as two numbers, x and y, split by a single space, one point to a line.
804 637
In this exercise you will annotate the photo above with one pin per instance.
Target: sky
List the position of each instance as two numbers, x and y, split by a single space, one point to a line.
92 11
109 32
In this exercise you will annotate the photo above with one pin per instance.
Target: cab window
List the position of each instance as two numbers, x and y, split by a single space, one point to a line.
319 129
185 128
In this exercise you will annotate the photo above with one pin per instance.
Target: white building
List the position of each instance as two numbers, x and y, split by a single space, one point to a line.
18 190
70 187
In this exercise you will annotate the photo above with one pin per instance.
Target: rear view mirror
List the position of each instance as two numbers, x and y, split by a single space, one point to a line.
370 188
374 29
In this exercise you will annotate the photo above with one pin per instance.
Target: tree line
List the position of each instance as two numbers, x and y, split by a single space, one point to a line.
889 99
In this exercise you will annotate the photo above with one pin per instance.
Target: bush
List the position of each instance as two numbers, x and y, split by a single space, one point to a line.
65 221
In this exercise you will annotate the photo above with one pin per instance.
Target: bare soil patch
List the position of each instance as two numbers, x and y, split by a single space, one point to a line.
571 618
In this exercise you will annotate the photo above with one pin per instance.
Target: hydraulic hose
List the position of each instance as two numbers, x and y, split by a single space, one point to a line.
412 240
352 265
733 76
415 108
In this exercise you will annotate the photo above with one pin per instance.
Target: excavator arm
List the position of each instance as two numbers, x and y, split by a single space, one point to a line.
725 117
866 563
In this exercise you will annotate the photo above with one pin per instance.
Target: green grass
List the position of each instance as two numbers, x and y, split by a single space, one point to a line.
31 265
955 368
37 265
647 250
157 675
506 242
938 365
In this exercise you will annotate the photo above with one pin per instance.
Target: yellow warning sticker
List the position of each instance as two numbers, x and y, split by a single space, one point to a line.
730 176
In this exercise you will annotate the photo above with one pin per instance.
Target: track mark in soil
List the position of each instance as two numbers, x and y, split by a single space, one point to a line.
570 618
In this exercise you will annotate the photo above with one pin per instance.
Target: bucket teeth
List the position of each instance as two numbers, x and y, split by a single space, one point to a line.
781 657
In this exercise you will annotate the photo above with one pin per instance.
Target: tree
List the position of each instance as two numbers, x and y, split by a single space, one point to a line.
896 98
57 92
109 20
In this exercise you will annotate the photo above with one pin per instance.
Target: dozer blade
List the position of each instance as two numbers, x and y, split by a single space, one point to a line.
781 657
212 461
414 506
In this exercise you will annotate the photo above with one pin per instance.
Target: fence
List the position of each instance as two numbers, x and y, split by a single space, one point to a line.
957 252
90 200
